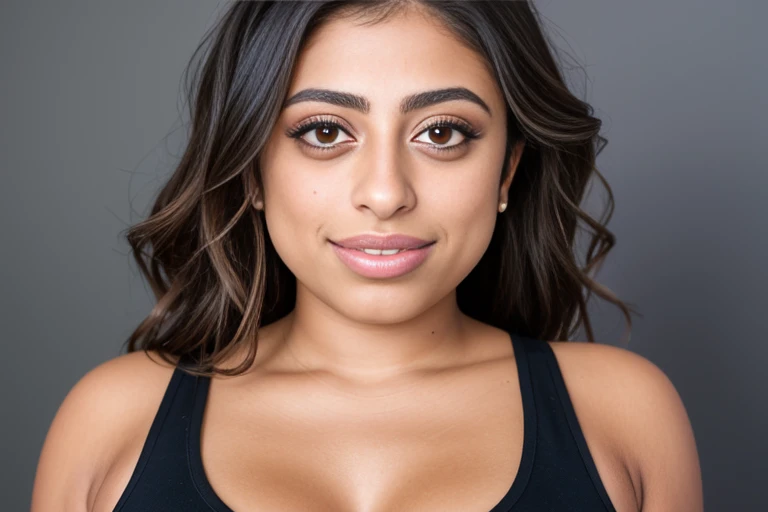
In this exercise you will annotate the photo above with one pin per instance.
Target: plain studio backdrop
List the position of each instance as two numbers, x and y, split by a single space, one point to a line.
91 123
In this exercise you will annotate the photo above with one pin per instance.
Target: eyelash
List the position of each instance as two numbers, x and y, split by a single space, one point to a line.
465 129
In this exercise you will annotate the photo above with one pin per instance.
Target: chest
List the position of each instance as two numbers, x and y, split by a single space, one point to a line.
440 448
456 445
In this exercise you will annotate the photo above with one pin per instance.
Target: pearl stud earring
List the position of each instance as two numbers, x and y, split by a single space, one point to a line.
502 207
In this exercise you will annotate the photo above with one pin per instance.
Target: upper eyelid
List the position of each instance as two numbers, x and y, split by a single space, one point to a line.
468 129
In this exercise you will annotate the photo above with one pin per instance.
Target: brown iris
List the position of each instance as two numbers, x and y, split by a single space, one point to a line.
443 134
331 132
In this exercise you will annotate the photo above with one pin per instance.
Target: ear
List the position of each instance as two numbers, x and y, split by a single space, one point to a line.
514 159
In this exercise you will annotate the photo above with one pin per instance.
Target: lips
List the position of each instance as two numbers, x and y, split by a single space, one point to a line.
383 266
392 241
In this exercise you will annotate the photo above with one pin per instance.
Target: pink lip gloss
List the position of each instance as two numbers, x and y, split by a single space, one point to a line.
382 266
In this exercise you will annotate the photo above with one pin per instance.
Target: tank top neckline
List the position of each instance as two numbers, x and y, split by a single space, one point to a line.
518 485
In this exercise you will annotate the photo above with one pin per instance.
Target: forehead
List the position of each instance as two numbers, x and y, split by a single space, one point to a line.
389 60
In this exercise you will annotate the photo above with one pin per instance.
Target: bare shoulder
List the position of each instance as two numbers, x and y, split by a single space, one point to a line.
94 421
643 414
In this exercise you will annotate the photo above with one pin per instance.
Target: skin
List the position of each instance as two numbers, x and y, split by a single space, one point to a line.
346 389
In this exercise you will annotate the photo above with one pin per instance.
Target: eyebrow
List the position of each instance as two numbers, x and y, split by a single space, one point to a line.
408 104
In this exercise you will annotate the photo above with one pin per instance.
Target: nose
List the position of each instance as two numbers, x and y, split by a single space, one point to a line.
384 181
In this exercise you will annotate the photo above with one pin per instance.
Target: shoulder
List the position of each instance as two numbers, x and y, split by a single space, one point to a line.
99 414
643 415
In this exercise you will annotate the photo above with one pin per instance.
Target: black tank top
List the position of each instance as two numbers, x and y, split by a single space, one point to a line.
556 471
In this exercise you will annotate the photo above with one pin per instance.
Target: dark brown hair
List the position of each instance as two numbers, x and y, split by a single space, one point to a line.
206 251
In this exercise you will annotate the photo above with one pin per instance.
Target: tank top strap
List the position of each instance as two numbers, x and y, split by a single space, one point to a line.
561 449
162 471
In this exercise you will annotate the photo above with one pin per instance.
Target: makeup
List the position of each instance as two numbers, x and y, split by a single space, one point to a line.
382 266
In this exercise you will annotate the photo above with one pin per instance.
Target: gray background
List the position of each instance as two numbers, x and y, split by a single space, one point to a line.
90 125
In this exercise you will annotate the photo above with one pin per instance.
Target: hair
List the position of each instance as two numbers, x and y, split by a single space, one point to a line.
205 249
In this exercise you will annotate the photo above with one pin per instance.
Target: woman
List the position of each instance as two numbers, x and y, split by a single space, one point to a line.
322 133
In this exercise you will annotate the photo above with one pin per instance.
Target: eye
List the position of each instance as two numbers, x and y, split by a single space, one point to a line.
443 131
324 131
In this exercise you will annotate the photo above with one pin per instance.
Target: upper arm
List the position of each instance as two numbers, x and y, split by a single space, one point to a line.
663 441
643 413
87 430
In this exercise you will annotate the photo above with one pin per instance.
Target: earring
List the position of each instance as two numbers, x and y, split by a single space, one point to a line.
502 207
259 204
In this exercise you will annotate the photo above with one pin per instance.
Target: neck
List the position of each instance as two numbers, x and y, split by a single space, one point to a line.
315 338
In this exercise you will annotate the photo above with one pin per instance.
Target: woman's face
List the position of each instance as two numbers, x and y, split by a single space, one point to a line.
383 171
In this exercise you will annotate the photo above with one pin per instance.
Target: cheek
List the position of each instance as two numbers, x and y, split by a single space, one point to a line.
296 211
467 204
292 199
469 225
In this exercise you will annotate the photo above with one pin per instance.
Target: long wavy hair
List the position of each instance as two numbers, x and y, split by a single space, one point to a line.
205 249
